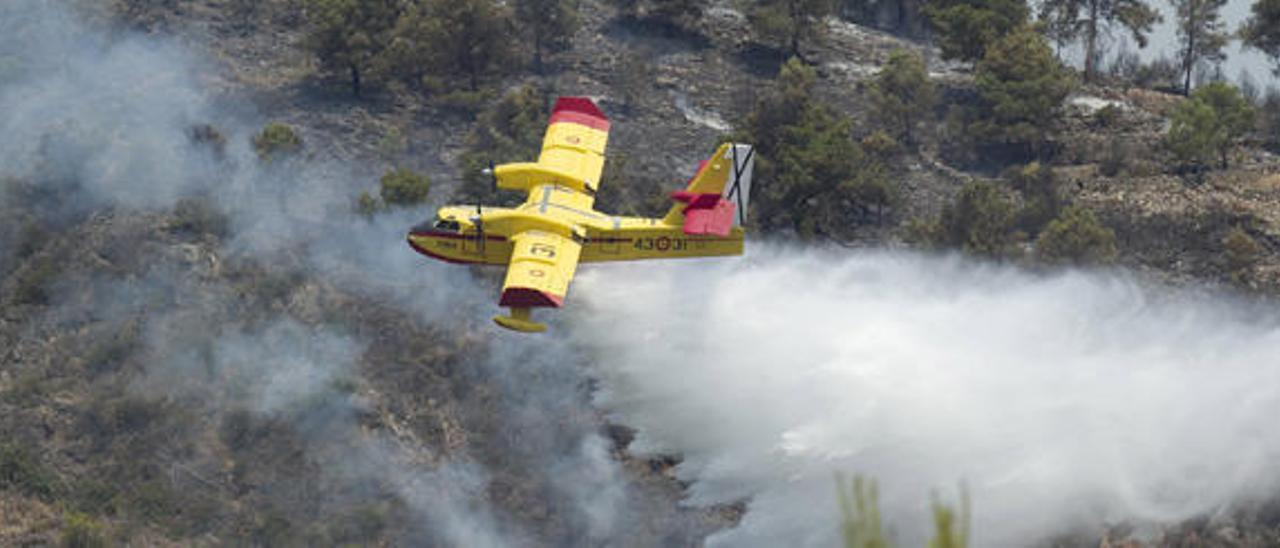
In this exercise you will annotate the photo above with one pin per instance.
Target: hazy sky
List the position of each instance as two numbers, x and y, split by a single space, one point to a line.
1164 41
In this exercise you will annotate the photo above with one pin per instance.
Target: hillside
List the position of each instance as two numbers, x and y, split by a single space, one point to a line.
204 346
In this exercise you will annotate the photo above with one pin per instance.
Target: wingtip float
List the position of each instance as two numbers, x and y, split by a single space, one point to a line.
543 240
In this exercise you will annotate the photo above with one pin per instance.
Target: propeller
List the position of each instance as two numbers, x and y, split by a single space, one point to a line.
479 220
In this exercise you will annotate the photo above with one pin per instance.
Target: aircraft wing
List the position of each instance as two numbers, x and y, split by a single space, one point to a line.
542 265
572 150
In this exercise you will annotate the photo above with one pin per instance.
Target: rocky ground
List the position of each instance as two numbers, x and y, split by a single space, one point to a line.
134 454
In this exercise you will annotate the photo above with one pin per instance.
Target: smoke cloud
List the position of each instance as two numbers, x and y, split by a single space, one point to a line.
1063 401
98 120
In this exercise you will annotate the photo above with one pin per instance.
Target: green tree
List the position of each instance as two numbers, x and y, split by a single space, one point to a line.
403 187
1211 122
1092 19
549 23
966 28
350 35
276 142
1076 236
977 221
1201 34
509 131
787 22
820 179
1262 30
902 95
436 40
1021 86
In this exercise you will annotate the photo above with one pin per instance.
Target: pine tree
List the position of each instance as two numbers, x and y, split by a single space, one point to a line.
1093 19
1201 34
350 35
1209 124
977 221
807 152
1076 236
965 28
1262 30
902 94
549 23
443 38
787 22
1022 86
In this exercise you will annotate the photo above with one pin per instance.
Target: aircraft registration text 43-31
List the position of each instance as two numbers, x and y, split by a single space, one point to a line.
661 243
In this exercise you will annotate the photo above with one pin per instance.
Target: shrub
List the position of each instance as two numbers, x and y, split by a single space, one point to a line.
35 283
1107 116
1076 236
1115 157
1242 252
1208 124
978 221
860 523
199 216
509 131
276 141
1038 186
83 531
902 95
366 205
403 187
207 136
21 470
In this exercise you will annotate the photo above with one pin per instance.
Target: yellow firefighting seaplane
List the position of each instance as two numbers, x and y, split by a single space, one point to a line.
544 239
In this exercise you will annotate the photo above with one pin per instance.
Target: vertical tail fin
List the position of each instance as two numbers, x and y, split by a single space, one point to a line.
726 177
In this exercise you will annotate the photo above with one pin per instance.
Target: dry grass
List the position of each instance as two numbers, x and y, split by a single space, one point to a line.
26 521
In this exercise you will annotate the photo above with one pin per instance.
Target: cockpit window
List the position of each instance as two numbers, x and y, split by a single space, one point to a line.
445 224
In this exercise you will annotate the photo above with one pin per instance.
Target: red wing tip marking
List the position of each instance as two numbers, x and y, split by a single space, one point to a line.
579 110
524 297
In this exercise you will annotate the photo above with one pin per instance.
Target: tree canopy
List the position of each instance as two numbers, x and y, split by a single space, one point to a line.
1262 30
1022 86
820 179
965 28
1091 20
788 22
1201 34
549 24
1209 124
1076 236
350 35
509 131
902 94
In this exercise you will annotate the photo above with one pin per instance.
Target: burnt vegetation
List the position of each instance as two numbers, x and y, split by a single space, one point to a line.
992 159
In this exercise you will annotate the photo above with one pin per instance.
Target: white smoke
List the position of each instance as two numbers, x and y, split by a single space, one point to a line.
102 120
1063 401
